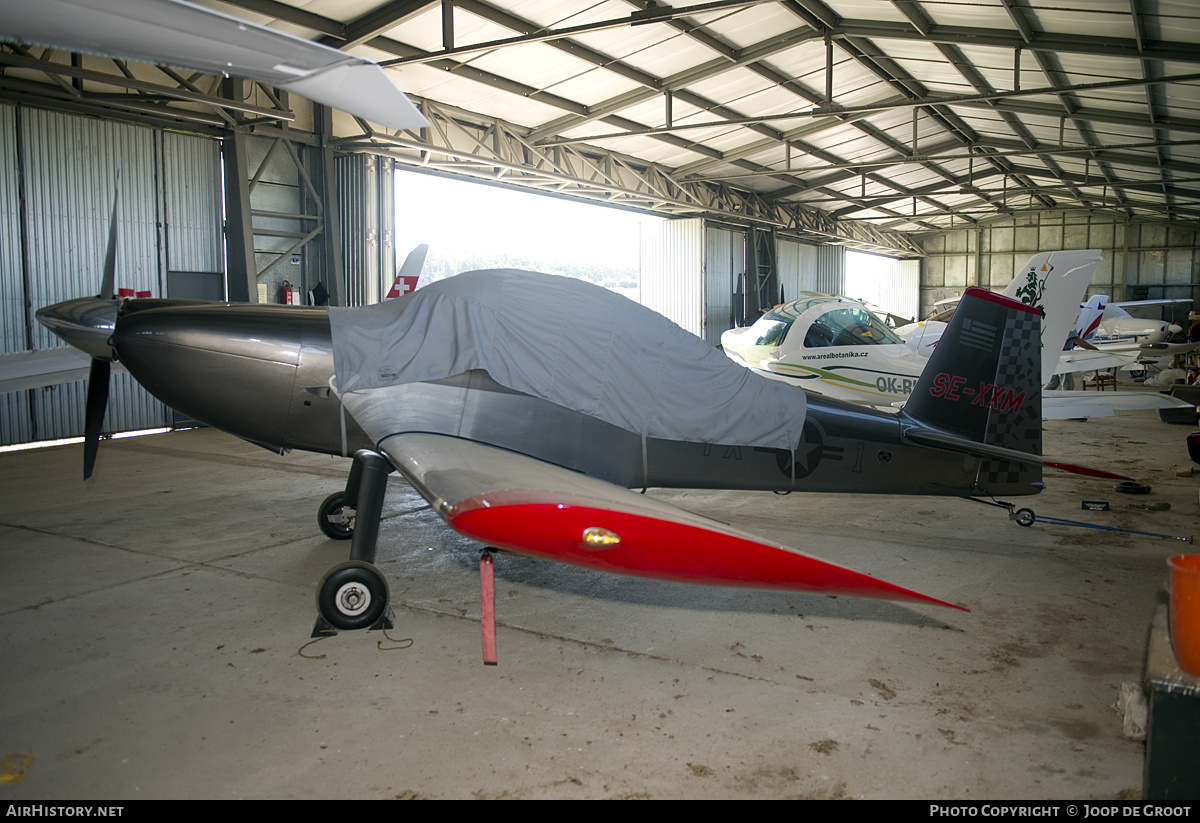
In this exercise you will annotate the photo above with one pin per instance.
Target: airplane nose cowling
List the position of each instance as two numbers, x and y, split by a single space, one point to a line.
86 323
231 367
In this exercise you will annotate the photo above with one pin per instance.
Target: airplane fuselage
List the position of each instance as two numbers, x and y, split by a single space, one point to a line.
263 373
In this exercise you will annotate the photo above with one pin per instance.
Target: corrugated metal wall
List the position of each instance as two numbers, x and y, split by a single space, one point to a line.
69 174
688 270
805 267
672 277
15 420
1151 260
367 201
66 174
831 269
891 284
797 266
725 264
191 192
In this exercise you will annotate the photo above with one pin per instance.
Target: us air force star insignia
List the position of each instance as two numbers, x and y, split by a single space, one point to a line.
808 455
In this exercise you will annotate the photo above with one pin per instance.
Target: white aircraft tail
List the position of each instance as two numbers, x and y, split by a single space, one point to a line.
1090 315
1055 283
409 273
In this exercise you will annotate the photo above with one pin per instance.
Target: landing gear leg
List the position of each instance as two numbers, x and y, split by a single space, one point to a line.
354 595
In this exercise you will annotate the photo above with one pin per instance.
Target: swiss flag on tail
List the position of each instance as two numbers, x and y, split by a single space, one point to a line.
403 284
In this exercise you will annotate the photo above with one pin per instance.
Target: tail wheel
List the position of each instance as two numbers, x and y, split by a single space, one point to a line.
353 595
1024 517
335 519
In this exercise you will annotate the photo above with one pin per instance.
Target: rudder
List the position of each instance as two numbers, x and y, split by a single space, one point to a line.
984 381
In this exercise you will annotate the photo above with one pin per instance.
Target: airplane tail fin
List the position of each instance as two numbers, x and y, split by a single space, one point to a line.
981 391
1090 315
981 394
409 272
1055 282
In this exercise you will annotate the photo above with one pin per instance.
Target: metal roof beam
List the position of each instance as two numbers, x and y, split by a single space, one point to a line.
1112 47
374 23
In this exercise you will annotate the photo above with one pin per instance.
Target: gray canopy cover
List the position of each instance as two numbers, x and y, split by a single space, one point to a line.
563 340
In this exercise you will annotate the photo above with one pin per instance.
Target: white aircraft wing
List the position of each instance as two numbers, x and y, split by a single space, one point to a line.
1059 404
177 33
1144 304
1077 360
1167 349
45 367
515 502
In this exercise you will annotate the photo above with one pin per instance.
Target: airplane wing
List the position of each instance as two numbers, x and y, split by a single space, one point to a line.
1077 360
510 501
44 367
1162 349
1059 404
177 33
1144 304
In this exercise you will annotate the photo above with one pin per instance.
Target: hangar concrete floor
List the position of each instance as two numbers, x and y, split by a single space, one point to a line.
155 620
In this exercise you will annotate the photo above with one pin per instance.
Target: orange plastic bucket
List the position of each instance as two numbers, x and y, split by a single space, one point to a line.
1185 610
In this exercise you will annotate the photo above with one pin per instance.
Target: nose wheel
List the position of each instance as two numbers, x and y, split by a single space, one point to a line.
354 594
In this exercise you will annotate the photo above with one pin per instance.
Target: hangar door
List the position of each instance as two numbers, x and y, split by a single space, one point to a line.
690 269
58 174
688 272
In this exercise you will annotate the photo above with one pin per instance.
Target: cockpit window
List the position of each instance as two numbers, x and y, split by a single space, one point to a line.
943 310
849 327
769 331
945 314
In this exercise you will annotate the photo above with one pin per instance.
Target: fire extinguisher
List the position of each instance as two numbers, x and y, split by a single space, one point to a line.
290 298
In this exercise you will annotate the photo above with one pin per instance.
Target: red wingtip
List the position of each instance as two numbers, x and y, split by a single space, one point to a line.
1074 469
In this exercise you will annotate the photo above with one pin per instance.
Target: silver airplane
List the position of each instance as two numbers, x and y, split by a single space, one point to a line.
541 469
552 471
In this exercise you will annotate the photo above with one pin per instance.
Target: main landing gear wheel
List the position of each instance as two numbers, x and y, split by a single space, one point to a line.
336 519
353 595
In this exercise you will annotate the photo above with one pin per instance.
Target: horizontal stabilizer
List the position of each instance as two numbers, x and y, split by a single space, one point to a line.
941 440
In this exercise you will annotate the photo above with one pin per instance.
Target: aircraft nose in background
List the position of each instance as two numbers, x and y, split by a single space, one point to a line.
216 363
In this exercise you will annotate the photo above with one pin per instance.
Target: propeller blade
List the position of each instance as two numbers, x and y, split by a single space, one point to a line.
108 288
97 404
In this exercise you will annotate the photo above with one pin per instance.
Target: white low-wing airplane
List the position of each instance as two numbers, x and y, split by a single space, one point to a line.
1109 327
838 347
177 33
1112 338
